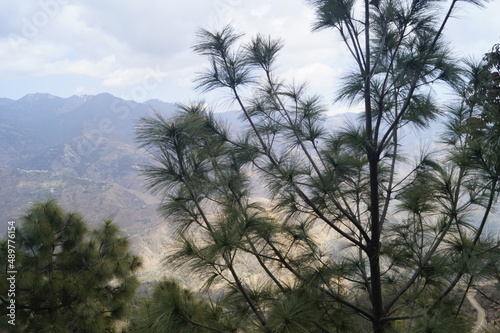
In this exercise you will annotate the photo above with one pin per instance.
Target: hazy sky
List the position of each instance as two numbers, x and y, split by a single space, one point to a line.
142 49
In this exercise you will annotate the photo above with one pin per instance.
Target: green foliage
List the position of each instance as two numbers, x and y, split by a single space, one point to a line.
172 308
441 322
350 238
69 278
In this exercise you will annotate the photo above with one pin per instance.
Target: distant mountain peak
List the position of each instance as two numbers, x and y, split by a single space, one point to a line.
39 96
83 97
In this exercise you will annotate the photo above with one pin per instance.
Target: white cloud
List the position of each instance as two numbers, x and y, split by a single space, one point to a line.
81 90
318 75
87 67
124 77
112 44
134 76
260 11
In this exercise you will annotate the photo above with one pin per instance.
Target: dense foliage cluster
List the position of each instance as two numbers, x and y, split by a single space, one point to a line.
69 278
289 224
355 237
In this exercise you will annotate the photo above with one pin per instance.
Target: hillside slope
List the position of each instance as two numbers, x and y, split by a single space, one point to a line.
81 152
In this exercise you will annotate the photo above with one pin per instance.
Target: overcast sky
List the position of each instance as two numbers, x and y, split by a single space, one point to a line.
142 49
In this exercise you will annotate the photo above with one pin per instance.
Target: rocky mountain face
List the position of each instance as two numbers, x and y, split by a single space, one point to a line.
81 152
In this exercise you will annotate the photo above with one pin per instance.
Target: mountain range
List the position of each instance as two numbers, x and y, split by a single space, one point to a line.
81 151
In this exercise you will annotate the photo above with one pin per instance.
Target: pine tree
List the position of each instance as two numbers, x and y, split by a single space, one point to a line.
172 308
351 240
69 278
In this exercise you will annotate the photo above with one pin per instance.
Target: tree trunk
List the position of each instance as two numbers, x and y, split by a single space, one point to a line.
376 292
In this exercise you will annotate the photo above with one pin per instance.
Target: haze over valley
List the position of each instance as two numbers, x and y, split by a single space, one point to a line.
81 151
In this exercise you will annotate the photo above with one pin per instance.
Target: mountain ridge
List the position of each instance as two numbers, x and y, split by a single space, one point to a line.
81 151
